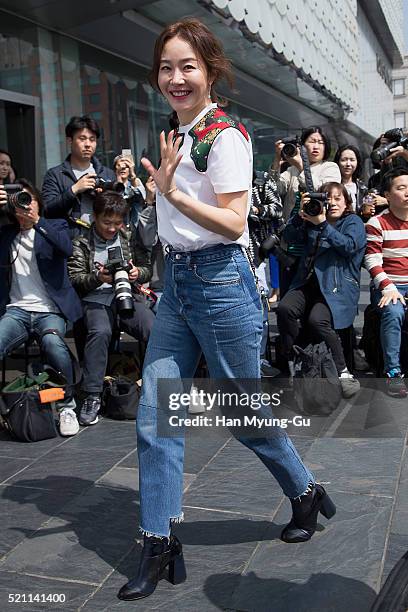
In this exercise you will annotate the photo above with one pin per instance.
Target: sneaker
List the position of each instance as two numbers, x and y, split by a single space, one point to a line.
68 422
349 385
198 407
267 369
89 410
396 384
360 362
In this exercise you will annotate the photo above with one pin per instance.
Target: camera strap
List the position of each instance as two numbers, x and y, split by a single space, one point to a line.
306 170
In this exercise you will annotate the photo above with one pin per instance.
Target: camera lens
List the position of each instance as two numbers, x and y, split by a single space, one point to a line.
289 150
313 208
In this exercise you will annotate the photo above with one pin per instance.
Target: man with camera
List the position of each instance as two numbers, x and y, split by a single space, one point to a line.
104 268
387 262
68 189
36 296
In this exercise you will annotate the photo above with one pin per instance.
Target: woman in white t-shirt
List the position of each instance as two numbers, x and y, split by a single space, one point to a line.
210 302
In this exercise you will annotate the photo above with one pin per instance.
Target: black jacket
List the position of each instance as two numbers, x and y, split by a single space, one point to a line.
81 266
58 199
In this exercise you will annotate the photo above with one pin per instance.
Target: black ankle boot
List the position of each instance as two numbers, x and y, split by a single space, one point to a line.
158 554
305 511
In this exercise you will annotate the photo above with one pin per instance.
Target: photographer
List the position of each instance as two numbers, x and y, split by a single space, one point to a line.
6 169
35 293
326 288
292 182
68 188
135 193
97 287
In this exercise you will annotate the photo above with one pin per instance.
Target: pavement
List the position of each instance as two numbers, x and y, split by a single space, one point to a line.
69 517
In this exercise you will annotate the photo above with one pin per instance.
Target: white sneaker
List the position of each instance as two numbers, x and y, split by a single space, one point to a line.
349 385
197 407
68 423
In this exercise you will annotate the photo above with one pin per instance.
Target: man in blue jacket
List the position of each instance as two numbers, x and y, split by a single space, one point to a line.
36 295
67 188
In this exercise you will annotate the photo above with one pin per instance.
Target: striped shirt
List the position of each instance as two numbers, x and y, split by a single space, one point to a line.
386 256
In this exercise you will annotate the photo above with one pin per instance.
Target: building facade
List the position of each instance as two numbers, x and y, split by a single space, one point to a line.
297 63
400 91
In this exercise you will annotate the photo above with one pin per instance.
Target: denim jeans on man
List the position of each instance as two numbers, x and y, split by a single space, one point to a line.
17 325
210 304
392 319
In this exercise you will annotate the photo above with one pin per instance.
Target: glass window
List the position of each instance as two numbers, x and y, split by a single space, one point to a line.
94 99
398 87
399 120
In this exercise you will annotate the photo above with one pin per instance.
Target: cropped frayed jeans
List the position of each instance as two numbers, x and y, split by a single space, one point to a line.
210 304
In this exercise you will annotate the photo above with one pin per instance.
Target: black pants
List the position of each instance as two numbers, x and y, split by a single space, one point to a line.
308 304
100 321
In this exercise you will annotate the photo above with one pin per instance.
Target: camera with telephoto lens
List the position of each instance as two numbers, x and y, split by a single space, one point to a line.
17 198
397 138
119 268
291 148
318 202
117 186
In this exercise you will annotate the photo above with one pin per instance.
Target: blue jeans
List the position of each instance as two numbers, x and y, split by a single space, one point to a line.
210 304
392 319
17 325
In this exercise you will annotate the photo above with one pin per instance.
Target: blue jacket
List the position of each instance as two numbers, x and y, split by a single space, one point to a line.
52 247
337 262
58 199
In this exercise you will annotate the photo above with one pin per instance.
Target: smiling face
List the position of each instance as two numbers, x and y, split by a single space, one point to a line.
183 79
347 163
315 147
107 226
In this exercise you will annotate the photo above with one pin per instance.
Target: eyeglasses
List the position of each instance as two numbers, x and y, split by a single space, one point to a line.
319 142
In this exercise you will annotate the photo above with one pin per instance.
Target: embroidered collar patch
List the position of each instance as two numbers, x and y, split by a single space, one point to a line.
205 132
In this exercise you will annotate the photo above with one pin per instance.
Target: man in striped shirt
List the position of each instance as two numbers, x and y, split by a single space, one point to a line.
387 262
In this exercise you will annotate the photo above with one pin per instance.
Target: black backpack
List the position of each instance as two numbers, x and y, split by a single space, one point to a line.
316 383
120 398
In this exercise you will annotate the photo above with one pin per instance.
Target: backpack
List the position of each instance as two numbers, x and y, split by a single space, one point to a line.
316 383
120 398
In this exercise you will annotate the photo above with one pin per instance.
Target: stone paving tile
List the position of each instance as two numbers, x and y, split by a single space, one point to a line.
128 478
68 469
397 546
24 450
10 466
21 584
25 509
237 481
107 434
337 570
84 541
357 465
399 523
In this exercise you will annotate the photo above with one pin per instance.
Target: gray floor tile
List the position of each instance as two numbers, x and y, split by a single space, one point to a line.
10 466
235 480
69 469
357 465
85 540
397 547
108 433
23 510
344 558
23 450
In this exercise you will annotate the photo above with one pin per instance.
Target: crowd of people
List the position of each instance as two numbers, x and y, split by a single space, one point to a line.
197 231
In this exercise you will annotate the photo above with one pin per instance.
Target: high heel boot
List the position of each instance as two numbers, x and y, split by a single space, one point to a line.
158 555
305 510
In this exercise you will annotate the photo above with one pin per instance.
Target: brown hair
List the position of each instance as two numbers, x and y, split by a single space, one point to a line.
208 48
328 188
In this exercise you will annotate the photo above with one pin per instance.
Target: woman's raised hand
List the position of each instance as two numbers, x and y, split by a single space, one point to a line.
170 159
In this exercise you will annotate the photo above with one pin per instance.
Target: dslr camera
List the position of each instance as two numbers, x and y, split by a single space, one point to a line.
318 202
397 138
291 148
16 197
117 186
272 245
119 268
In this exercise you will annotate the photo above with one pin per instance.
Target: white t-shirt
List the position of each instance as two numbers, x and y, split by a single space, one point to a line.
86 200
229 170
352 190
27 289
